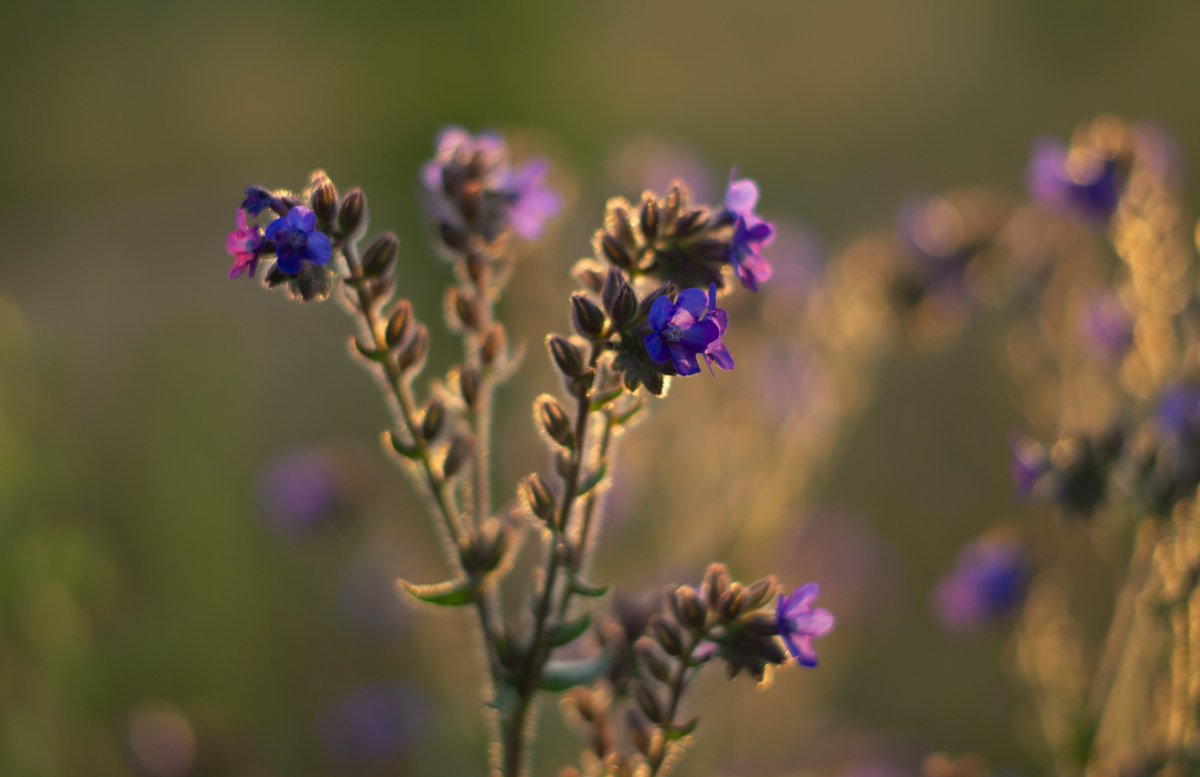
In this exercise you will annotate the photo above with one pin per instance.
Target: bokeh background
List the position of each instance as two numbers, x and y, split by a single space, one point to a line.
163 612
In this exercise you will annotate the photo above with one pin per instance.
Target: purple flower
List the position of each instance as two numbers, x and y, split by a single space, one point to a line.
1028 464
750 233
1107 327
471 184
244 244
299 490
259 199
690 326
1179 411
799 624
297 241
1078 181
370 727
531 201
987 584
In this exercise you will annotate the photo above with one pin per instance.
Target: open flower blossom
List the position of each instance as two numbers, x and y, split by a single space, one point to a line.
987 584
297 240
688 327
244 244
750 233
1074 180
798 623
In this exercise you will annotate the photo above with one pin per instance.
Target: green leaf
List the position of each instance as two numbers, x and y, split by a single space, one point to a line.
593 479
565 633
605 397
676 732
452 593
561 675
623 418
584 588
403 448
369 352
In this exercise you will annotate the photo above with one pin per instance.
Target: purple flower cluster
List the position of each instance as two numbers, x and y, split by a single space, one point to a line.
987 584
1076 180
688 327
751 234
293 237
472 186
799 623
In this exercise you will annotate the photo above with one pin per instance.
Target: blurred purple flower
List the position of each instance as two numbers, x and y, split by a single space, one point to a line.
1028 463
1179 411
1076 181
244 244
299 490
987 584
297 240
369 727
1107 327
531 202
688 327
750 233
799 624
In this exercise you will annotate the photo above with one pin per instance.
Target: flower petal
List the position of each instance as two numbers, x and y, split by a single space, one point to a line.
741 196
660 313
302 218
694 301
317 249
657 348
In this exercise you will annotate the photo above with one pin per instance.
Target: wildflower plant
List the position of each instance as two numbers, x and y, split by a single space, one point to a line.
648 310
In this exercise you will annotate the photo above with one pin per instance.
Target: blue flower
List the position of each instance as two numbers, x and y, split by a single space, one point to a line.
750 234
987 584
799 624
259 199
297 241
690 326
1079 181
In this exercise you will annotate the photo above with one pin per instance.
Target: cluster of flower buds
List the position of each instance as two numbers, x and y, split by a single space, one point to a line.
1086 178
1075 474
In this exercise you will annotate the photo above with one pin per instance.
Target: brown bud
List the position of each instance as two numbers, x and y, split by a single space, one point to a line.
380 255
616 221
690 223
399 323
716 580
457 454
323 198
651 660
615 251
667 635
462 309
618 298
649 217
675 202
760 593
688 607
554 420
536 496
412 355
587 317
432 422
494 345
639 733
352 216
468 385
566 356
732 602
648 704
454 238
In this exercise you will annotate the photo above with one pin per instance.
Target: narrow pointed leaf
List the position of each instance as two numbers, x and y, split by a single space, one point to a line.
593 479
403 448
565 633
452 593
584 588
677 731
603 398
370 352
561 675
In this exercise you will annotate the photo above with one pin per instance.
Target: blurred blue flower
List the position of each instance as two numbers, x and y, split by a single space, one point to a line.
750 233
799 624
372 726
690 326
297 240
1077 180
1179 411
987 584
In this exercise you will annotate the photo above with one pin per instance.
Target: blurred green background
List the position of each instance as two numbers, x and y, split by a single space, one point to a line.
142 394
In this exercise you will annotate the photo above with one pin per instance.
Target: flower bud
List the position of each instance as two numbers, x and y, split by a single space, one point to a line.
587 317
639 733
566 356
323 199
479 265
494 345
352 216
412 355
432 422
618 297
675 202
454 238
399 324
648 704
690 223
732 602
760 593
554 420
649 217
537 497
456 455
468 385
651 660
380 255
667 635
614 251
462 310
716 581
616 221
688 607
